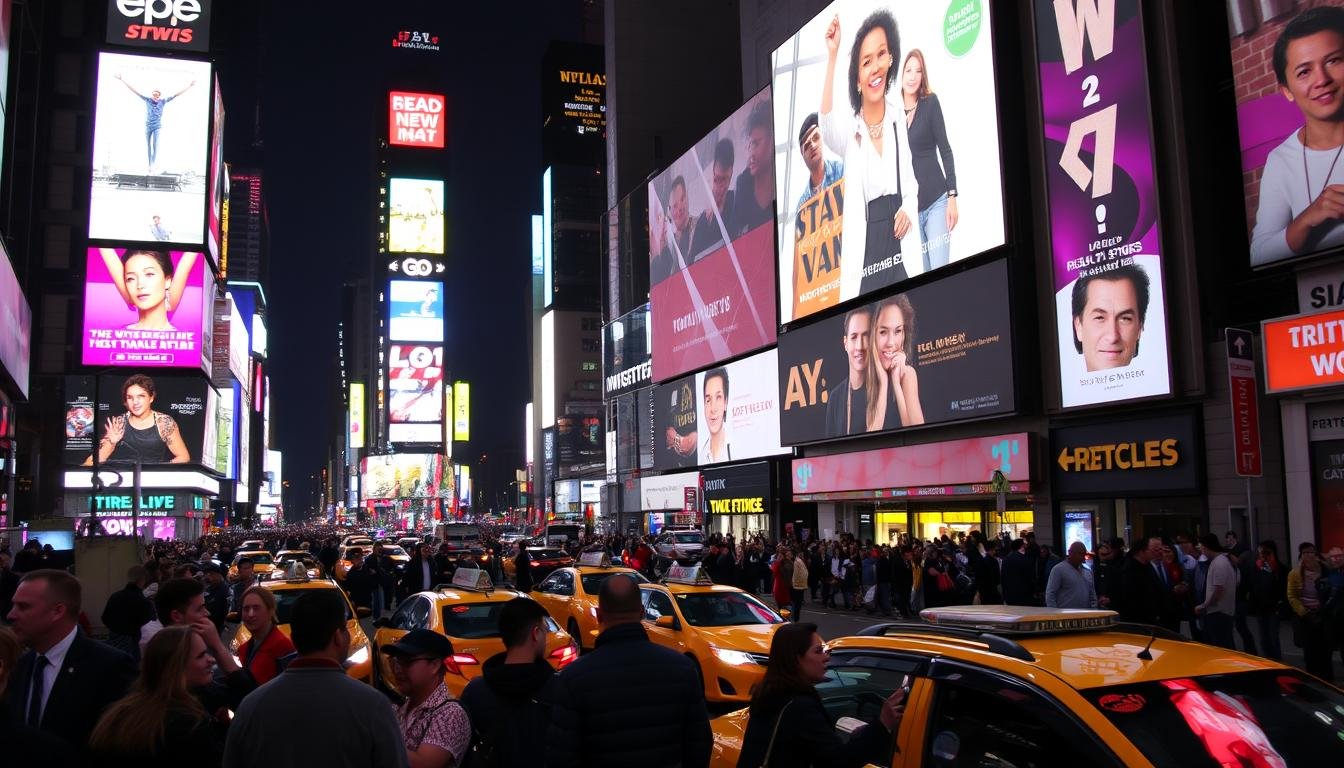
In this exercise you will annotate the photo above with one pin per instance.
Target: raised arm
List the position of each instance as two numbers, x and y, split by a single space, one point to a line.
180 274
184 90
130 87
118 272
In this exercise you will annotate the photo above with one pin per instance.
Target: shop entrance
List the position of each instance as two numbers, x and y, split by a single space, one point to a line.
1165 518
740 527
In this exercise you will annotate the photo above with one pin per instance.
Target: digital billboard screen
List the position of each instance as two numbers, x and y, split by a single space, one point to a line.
711 246
408 476
940 352
215 190
415 223
415 119
146 308
17 316
723 414
148 418
151 150
415 384
891 167
415 310
626 364
170 25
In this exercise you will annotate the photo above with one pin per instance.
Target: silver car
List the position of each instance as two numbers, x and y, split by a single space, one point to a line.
683 547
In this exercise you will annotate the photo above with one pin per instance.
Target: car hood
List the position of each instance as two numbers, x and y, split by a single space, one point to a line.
752 638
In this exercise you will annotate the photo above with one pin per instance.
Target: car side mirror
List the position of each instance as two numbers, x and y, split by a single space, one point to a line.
363 612
232 616
666 622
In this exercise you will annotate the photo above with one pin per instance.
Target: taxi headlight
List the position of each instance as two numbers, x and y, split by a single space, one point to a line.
360 656
736 658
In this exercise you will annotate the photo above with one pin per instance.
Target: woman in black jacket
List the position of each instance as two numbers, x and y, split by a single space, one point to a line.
788 725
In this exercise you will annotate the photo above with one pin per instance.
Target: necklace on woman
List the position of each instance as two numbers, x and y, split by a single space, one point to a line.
874 130
1307 180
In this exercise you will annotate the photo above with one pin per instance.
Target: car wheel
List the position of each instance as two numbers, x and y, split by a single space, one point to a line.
699 675
572 627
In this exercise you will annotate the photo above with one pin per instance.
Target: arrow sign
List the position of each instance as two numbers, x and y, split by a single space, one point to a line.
1245 401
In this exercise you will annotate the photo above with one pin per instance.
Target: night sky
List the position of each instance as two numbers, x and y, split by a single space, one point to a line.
321 81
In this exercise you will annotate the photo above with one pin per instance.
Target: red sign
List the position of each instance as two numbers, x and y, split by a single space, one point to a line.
691 505
1304 352
1245 403
415 119
916 468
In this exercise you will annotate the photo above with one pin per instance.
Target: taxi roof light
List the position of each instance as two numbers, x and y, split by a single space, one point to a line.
473 579
596 559
694 575
1019 619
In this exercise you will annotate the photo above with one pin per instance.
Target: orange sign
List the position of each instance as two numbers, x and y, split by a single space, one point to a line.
1304 352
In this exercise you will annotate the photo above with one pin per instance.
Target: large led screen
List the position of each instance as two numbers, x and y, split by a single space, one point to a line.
940 352
723 414
711 249
215 196
415 310
17 318
889 157
408 476
415 384
151 150
145 308
141 417
415 223
1289 123
415 119
1105 233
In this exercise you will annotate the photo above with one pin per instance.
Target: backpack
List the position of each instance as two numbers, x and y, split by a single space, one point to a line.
484 751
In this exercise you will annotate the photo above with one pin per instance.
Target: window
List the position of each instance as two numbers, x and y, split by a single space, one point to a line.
858 682
590 345
587 365
590 324
657 604
470 621
562 583
585 386
411 615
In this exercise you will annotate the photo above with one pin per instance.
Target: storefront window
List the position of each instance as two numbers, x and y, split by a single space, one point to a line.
1013 522
891 528
742 527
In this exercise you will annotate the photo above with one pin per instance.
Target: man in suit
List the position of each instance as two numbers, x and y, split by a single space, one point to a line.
421 573
1019 576
65 681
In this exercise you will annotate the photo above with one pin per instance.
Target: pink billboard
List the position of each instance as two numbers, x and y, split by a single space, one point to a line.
952 463
145 308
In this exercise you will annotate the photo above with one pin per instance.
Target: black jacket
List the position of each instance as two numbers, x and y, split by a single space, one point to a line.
509 705
629 703
29 746
128 610
186 741
1141 596
217 602
1019 580
360 583
807 737
413 576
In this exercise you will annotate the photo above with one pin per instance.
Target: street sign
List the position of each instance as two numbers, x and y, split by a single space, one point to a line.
1241 378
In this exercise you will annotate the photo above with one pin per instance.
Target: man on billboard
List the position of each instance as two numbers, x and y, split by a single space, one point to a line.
754 202
847 403
1108 313
1301 207
716 448
158 231
141 435
707 235
821 173
678 246
154 104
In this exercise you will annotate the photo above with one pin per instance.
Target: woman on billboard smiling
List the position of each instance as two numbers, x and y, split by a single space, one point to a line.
145 281
893 380
142 434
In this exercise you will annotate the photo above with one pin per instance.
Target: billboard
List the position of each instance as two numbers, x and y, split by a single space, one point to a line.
937 353
723 414
1288 126
580 441
407 476
148 418
868 199
215 189
415 384
711 249
461 411
953 466
356 423
1304 352
416 221
626 364
415 119
146 308
17 317
168 25
415 310
1110 306
151 150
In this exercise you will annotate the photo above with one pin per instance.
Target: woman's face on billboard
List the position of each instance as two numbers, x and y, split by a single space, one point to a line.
1315 75
874 64
138 400
913 75
145 282
890 335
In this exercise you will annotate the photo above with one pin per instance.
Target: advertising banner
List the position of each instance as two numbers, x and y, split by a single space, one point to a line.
356 422
146 309
151 150
888 151
626 363
415 384
415 119
15 315
666 491
168 25
951 463
152 419
415 310
407 476
1327 469
1130 457
215 190
723 414
940 352
1241 379
1304 352
711 249
461 411
580 443
1110 306
738 490
415 221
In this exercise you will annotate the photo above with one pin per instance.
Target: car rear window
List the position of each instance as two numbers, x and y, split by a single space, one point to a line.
1262 718
472 620
257 558
592 582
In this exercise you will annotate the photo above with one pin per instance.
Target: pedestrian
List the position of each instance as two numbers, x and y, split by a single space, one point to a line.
511 701
267 651
1070 584
246 578
868 570
884 577
160 722
360 581
522 568
799 586
313 713
1217 611
181 602
903 581
1018 575
1140 596
787 724
434 726
596 722
66 679
216 595
1311 632
1268 597
23 745
127 612
9 582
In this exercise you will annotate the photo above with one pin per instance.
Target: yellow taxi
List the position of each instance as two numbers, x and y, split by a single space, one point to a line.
724 630
286 590
1007 685
467 613
285 558
262 564
570 594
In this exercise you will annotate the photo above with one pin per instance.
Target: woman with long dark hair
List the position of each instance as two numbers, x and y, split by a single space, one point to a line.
928 143
788 726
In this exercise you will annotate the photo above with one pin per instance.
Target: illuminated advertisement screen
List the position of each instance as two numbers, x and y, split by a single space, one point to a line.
940 352
151 150
1288 134
415 119
408 476
356 422
16 316
170 25
461 411
415 384
711 246
145 308
215 191
148 418
415 310
723 414
884 173
415 223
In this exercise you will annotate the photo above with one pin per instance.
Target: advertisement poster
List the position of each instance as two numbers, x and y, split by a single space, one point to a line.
415 310
723 414
148 418
415 119
1327 468
1110 306
151 150
941 352
145 308
408 476
711 249
580 441
415 223
888 156
215 191
17 316
1288 120
415 384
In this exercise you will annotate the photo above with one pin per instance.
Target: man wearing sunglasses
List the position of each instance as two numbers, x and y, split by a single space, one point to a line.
434 725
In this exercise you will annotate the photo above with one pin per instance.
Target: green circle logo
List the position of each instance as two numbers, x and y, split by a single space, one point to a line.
961 26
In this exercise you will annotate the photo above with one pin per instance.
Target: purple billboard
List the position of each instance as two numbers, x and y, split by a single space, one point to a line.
146 308
1104 232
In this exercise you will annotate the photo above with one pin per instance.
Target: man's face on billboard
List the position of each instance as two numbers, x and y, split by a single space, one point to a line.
812 149
1109 327
680 209
138 401
722 177
1315 75
154 95
856 342
714 404
758 152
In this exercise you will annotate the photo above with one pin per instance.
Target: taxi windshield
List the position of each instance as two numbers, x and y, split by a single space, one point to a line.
592 582
285 557
724 609
257 558
472 620
393 549
284 603
1274 717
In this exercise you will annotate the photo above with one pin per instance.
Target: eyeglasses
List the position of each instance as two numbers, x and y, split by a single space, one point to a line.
403 662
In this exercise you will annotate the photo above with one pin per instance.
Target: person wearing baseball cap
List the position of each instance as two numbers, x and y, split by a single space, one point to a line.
434 726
